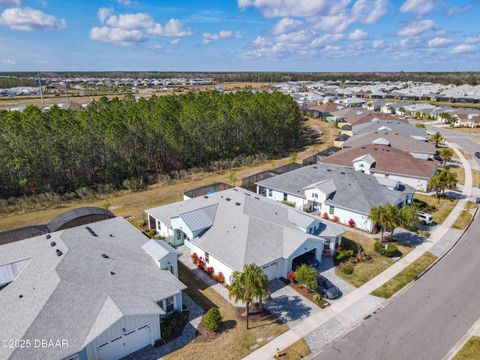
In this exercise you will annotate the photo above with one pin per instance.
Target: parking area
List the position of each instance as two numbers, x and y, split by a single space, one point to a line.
327 269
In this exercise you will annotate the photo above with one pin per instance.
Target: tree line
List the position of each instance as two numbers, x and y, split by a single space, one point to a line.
114 141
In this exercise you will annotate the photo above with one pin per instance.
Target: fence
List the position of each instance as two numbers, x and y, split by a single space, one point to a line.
250 181
318 156
207 189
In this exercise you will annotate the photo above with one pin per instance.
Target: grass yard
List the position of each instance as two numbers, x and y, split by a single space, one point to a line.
234 341
470 351
460 174
463 220
470 205
388 289
465 130
132 204
298 350
465 153
431 205
365 271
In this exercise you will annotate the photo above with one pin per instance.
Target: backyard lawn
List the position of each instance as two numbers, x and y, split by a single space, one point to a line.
234 341
470 351
365 271
405 276
438 209
298 350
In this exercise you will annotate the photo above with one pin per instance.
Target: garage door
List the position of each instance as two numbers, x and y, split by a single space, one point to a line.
126 344
271 270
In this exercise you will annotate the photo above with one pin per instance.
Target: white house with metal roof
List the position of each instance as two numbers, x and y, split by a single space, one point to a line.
236 227
92 289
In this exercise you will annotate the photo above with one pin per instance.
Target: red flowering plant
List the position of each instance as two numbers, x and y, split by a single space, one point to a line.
351 223
209 270
325 216
201 263
194 257
335 219
219 278
291 276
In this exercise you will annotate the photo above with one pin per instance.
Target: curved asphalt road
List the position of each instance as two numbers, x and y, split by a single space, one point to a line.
429 318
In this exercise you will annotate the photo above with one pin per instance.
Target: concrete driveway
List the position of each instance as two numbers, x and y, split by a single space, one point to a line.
327 269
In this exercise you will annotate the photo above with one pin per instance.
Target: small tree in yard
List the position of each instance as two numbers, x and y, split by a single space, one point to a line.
446 154
293 157
437 138
212 319
307 276
232 177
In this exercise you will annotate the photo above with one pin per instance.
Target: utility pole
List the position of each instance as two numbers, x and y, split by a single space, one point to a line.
40 86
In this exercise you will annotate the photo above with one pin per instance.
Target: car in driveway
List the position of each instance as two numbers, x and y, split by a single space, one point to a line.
424 218
327 289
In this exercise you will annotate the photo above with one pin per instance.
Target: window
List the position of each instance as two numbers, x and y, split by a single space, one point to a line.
285 197
207 257
332 210
270 193
169 304
315 195
159 225
386 176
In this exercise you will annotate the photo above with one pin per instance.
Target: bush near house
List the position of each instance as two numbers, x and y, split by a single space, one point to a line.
347 269
172 325
351 223
212 319
194 257
219 277
209 270
335 219
388 250
307 276
151 233
201 263
291 276
320 301
289 203
343 255
325 216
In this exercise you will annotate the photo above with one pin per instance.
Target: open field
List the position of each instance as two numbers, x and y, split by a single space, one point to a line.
388 289
233 341
132 204
470 351
438 209
366 271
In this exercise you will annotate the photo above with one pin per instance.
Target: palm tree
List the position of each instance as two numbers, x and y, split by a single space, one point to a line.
437 138
377 215
407 217
446 154
248 286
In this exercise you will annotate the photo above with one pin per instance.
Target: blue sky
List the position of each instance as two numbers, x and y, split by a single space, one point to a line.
228 35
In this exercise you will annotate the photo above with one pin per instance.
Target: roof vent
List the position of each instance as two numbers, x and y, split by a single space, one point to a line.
342 172
235 189
315 167
53 243
49 236
237 203
205 196
90 230
112 236
20 296
329 170
59 252
257 198
228 199
105 256
248 194
112 273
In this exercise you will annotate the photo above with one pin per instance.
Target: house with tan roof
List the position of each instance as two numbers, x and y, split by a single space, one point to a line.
383 161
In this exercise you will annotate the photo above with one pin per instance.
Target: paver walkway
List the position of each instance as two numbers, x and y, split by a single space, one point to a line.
356 297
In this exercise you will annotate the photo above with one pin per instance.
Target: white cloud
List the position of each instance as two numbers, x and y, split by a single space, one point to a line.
9 62
9 2
377 44
439 42
463 49
326 39
208 38
173 27
103 13
294 8
418 6
369 11
28 19
124 2
357 34
131 21
294 37
417 27
117 36
175 42
286 25
472 39
261 41
459 9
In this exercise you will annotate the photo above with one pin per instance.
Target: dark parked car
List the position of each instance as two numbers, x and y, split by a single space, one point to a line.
437 157
327 289
477 154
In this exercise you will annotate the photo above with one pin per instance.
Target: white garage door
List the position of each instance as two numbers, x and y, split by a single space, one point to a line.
125 344
271 270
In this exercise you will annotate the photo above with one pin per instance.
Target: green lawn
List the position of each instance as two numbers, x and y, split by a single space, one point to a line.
298 350
470 351
463 220
404 277
365 271
438 209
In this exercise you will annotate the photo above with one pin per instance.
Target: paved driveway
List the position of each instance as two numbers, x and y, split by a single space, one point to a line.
327 269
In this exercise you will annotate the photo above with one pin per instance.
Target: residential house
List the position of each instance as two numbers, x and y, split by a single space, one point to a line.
386 162
466 118
420 149
236 227
336 192
339 141
395 126
92 285
323 111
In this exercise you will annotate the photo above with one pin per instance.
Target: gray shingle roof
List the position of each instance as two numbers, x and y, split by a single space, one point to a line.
395 126
354 190
257 230
66 296
393 139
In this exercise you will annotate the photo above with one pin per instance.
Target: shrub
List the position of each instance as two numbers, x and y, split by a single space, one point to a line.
351 223
219 278
291 276
212 319
389 250
347 269
319 301
335 218
201 263
424 233
344 255
307 276
172 324
209 270
195 258
151 233
325 216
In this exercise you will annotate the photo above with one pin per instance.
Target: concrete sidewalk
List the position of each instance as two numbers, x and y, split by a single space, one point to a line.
358 296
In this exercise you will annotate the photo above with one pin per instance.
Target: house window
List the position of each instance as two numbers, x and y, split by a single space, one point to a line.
169 304
270 193
332 210
386 176
285 197
159 225
207 257
315 195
